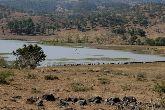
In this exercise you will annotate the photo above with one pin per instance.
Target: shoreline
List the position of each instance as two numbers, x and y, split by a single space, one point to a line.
140 49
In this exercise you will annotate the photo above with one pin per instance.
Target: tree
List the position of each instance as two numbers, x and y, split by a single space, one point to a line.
132 40
29 56
150 42
137 32
160 41
119 30
20 27
3 30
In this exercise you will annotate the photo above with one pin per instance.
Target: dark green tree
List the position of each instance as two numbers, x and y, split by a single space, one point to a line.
29 56
160 41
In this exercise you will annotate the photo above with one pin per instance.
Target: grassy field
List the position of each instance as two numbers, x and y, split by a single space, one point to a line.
143 81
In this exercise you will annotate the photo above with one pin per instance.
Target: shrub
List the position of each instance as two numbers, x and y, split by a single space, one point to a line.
31 76
137 32
35 90
160 41
5 77
104 80
141 77
150 42
51 77
160 87
126 87
29 56
3 63
162 102
119 30
79 87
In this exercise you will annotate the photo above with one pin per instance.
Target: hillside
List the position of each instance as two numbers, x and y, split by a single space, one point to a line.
49 6
84 21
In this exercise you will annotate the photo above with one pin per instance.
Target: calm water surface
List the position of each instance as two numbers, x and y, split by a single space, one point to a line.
65 55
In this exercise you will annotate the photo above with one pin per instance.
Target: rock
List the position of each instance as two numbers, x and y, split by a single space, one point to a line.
48 97
112 101
107 71
31 100
39 103
15 98
63 103
82 102
129 99
95 100
69 109
99 109
95 70
4 66
72 99
134 107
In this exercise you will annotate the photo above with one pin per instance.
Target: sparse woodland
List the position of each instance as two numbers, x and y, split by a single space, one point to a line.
129 23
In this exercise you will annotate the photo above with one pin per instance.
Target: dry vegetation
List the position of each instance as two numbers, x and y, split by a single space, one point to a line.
143 81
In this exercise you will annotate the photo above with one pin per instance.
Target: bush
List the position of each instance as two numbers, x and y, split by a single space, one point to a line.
3 63
126 87
150 42
160 87
5 77
160 41
137 32
79 87
29 56
157 42
104 80
31 76
51 77
35 90
119 30
141 77
162 102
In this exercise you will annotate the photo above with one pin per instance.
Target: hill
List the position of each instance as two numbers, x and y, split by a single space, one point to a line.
106 20
48 6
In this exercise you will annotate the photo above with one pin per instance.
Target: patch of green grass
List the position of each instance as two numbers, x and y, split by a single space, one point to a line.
51 77
5 77
79 87
160 87
104 80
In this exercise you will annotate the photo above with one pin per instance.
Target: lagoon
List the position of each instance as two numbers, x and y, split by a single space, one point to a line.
60 55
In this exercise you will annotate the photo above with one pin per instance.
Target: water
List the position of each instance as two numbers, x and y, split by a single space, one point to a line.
58 55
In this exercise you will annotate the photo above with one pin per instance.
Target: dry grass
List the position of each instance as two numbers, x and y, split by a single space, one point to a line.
82 82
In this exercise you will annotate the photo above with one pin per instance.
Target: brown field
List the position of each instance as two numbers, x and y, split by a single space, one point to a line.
136 80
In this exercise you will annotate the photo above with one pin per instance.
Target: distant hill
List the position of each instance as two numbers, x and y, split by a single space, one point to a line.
122 18
4 12
49 6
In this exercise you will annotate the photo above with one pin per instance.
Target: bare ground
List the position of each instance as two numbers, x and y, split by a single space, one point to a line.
121 80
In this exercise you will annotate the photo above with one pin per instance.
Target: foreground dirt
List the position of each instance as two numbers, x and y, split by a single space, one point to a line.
119 81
